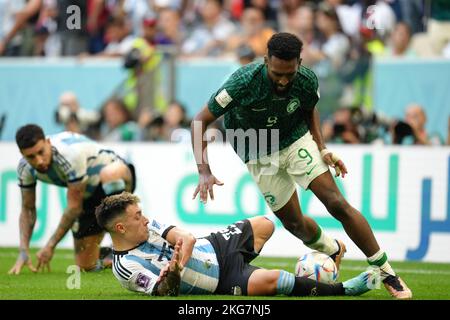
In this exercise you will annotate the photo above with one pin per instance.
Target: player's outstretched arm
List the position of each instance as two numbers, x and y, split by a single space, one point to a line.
169 280
71 213
199 145
27 221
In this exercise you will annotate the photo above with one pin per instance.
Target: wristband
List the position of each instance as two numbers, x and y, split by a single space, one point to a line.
324 152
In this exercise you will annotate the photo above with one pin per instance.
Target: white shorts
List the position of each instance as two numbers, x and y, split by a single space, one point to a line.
276 175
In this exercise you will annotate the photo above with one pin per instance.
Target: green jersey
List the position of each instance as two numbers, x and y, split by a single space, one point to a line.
250 105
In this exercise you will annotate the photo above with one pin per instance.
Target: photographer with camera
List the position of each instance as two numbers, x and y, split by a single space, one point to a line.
74 118
342 128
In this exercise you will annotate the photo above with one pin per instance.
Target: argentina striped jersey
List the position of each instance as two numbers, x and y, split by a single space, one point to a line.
138 269
75 158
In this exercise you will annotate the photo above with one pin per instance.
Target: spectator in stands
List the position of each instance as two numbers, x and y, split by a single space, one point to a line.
328 58
117 123
208 39
268 8
176 123
46 41
136 11
412 130
119 38
287 14
399 44
171 30
336 45
253 31
301 23
149 30
14 15
97 17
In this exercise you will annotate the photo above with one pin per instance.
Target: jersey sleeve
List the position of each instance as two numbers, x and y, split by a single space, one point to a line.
142 274
159 227
311 88
26 175
229 94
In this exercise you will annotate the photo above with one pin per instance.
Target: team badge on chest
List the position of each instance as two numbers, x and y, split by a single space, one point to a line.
293 105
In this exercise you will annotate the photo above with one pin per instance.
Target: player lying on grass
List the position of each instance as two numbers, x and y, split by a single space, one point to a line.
158 259
88 171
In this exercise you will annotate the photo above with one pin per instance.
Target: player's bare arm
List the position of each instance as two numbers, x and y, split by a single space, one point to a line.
71 213
188 242
206 179
329 157
27 221
168 283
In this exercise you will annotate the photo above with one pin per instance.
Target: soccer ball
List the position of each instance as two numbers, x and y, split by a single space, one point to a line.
317 266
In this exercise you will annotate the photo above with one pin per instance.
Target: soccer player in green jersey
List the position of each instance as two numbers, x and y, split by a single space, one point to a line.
273 125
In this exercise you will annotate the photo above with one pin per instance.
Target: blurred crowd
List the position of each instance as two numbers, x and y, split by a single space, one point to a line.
341 38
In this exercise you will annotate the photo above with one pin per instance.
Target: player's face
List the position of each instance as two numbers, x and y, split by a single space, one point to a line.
281 73
136 224
39 156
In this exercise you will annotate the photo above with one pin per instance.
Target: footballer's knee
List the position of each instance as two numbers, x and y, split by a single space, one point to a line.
263 282
115 178
114 171
263 229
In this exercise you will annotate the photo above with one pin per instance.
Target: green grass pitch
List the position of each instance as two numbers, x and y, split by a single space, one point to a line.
428 281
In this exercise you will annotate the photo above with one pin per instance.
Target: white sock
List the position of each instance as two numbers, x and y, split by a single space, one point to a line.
380 259
323 243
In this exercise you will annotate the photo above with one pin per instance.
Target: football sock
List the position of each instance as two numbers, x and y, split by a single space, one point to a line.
323 243
308 287
285 283
380 260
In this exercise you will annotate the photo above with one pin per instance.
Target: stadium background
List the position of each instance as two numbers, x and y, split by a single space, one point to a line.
403 190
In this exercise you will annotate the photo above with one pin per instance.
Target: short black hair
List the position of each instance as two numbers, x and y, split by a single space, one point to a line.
28 135
112 207
285 46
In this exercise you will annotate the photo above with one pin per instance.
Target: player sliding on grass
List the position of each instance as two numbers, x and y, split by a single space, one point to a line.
158 259
89 172
274 103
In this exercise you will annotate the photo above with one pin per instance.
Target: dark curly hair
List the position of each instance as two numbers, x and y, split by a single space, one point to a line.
285 46
28 135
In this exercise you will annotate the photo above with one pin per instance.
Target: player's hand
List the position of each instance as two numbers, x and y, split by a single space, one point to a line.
174 263
335 162
205 186
44 257
22 260
168 283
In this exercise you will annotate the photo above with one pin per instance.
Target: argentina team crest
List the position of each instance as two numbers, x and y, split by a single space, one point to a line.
293 105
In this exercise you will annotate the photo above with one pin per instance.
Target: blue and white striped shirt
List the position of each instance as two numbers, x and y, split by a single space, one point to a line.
138 269
75 158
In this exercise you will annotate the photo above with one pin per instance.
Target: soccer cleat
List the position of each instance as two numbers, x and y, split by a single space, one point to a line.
397 288
361 284
337 257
